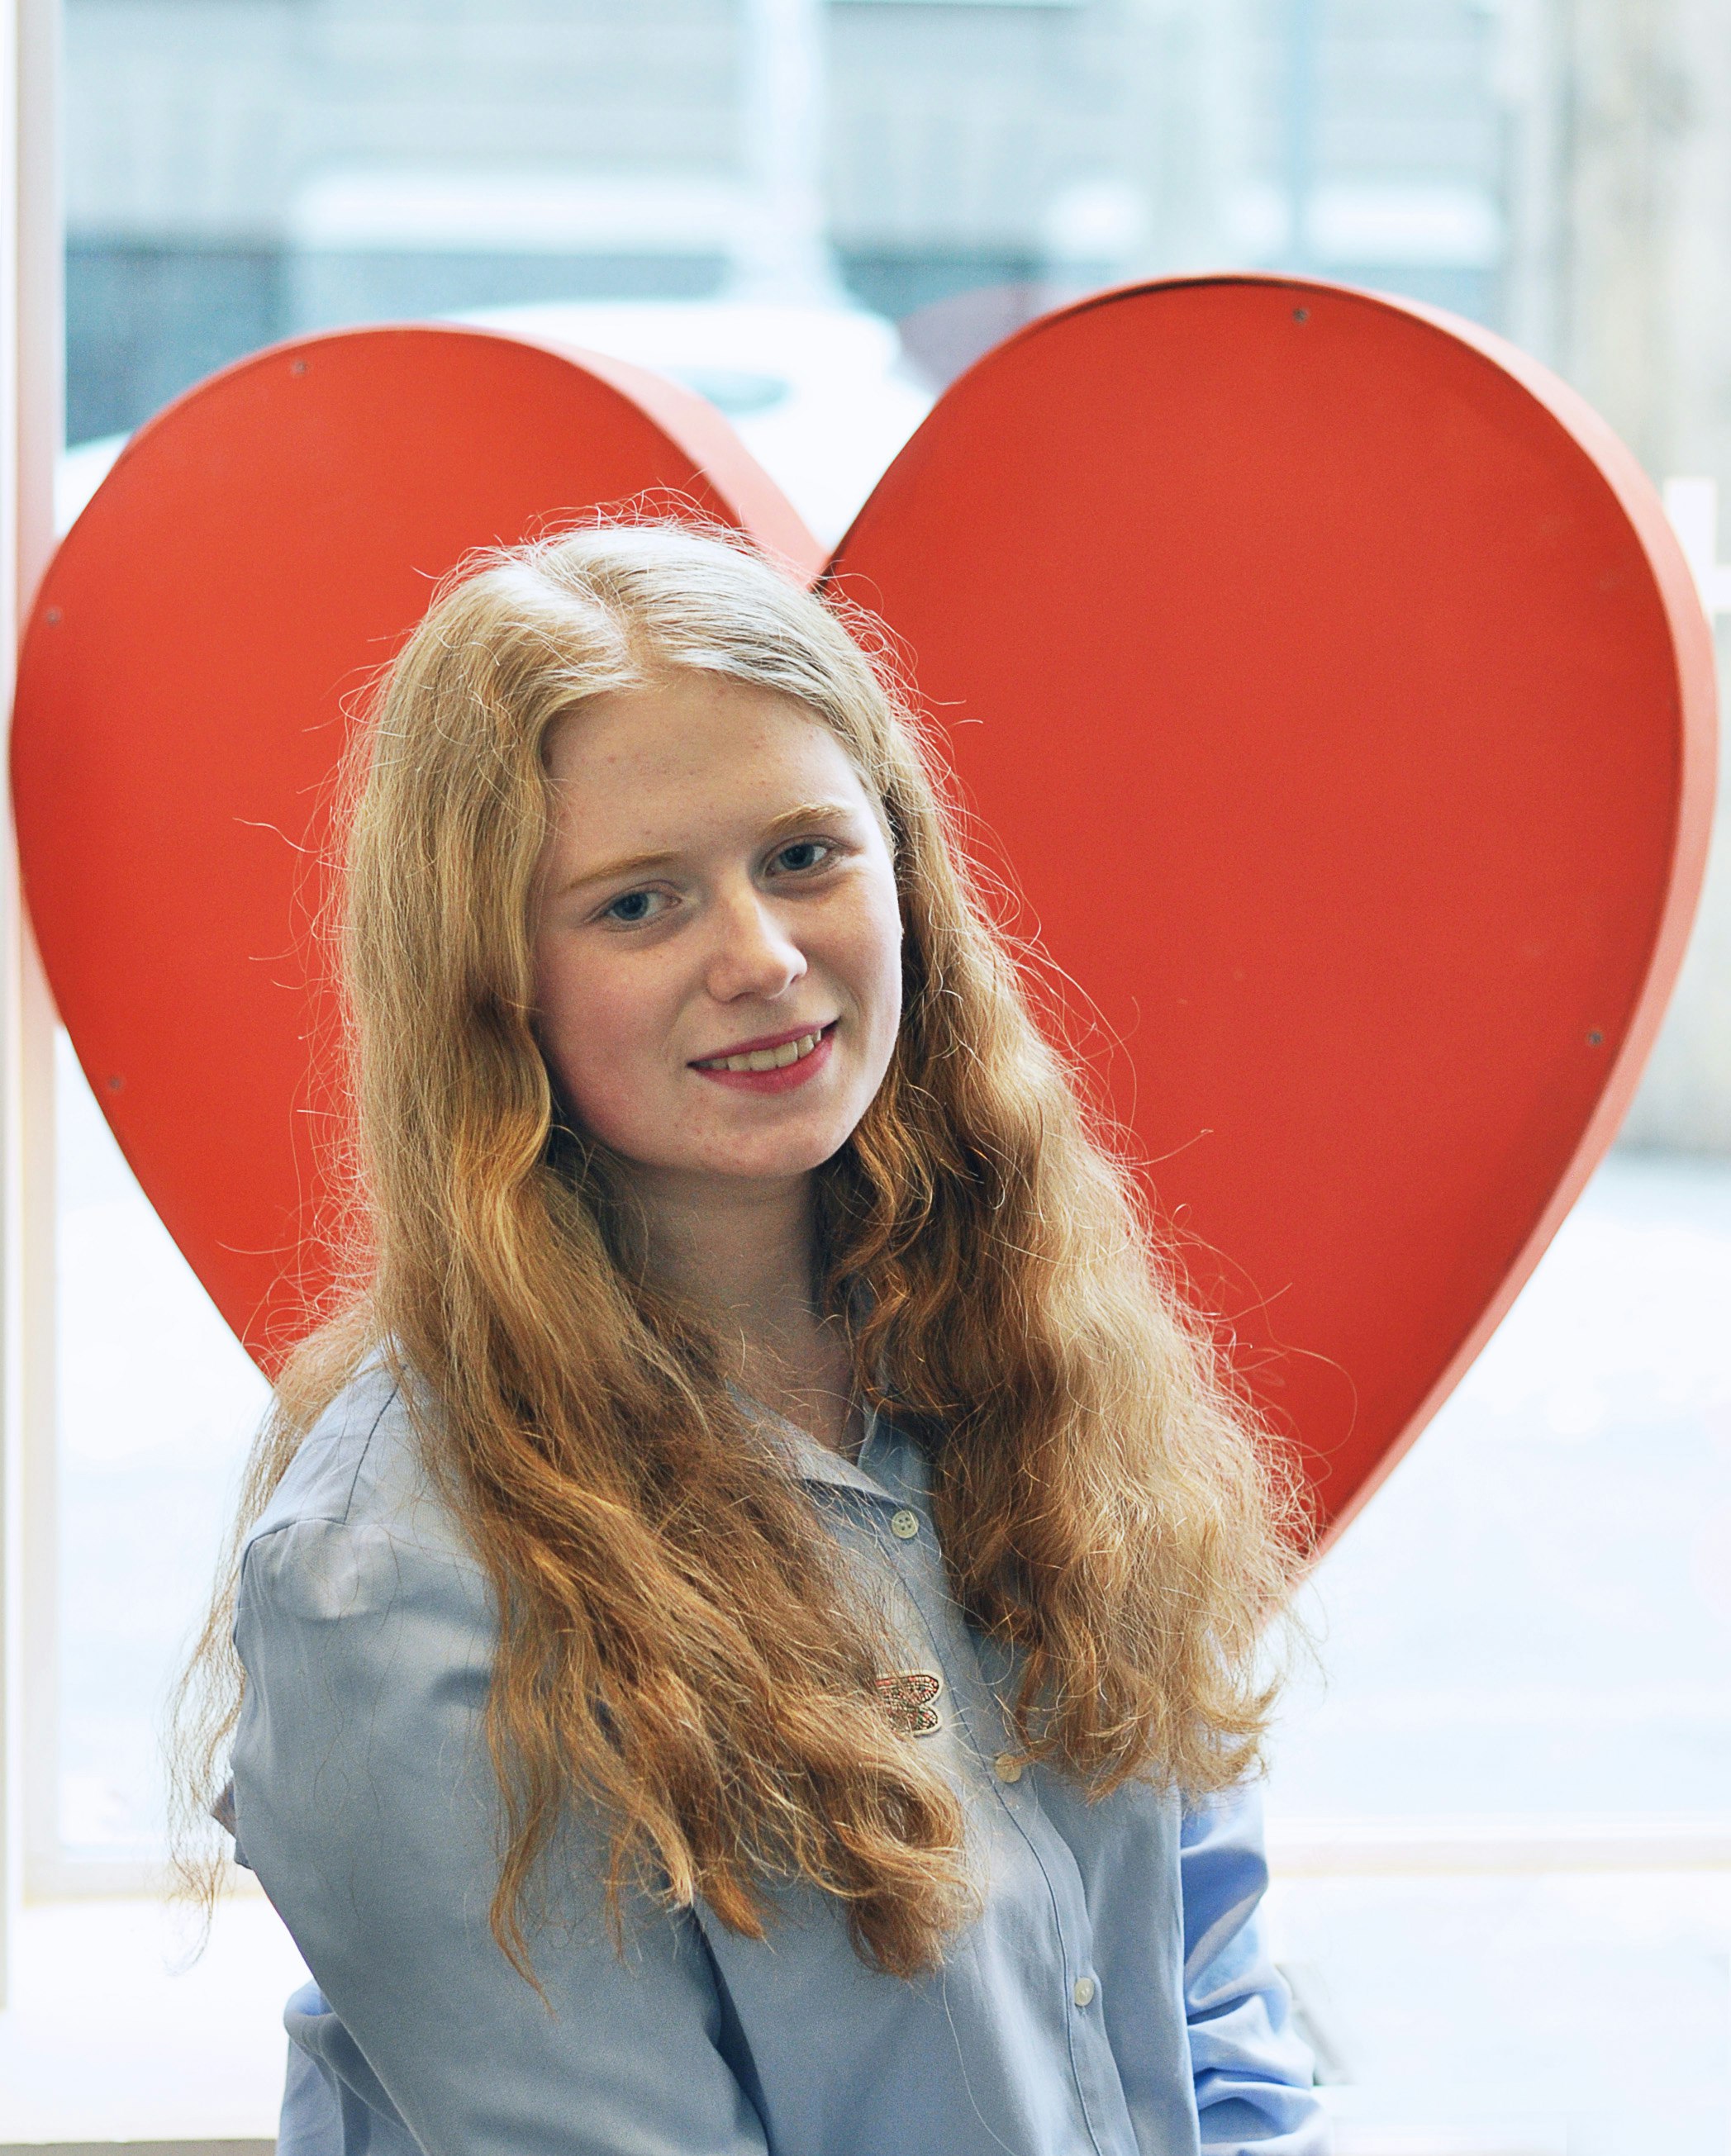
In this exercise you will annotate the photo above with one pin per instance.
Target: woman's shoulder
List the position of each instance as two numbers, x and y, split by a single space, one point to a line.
363 1466
356 1594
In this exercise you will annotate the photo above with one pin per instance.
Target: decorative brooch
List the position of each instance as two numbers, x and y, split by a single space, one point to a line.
908 1699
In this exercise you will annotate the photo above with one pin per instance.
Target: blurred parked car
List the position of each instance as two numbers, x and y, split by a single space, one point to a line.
821 395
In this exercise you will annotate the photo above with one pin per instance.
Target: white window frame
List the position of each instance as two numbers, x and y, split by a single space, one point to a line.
32 317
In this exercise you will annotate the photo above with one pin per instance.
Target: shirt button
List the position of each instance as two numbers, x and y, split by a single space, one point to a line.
1082 1991
904 1525
1007 1766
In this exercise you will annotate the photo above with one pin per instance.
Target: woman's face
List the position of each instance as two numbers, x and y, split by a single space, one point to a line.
717 896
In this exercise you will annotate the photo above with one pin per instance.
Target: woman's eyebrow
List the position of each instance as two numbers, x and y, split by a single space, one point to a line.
811 812
789 819
631 864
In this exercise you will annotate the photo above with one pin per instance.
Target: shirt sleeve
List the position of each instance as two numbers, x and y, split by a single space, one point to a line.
1253 2074
366 1801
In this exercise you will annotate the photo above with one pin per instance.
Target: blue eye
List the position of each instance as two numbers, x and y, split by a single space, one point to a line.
632 906
804 853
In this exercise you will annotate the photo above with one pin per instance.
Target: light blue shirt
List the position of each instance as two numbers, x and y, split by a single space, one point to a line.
1113 1997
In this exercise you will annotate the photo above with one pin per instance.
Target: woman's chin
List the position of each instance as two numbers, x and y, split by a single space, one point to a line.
779 1158
734 1136
779 1164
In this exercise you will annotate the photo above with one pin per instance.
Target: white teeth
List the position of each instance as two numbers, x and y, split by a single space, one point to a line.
765 1059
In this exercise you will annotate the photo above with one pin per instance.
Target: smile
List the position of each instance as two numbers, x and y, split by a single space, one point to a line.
766 1058
771 1066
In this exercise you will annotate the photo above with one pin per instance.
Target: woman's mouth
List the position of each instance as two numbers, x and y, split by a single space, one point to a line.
772 1066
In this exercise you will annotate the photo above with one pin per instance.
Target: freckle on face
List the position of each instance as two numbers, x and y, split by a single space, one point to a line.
695 770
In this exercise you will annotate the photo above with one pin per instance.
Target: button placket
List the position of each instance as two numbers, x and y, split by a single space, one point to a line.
977 1715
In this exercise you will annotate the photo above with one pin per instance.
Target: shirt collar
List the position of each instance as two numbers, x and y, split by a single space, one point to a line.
890 1468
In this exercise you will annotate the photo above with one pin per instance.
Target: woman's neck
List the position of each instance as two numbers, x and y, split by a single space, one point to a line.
742 1251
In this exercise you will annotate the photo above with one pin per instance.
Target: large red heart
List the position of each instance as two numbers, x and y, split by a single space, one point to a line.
1322 671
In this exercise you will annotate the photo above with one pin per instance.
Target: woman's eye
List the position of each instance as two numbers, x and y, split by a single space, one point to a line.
804 853
632 906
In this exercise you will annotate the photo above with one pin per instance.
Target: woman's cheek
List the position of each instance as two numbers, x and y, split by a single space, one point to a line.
876 964
606 1053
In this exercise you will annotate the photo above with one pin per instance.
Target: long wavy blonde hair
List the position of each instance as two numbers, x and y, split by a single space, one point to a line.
675 1647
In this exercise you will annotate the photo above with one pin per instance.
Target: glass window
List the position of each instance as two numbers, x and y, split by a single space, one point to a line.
156 1402
1502 1825
1518 1762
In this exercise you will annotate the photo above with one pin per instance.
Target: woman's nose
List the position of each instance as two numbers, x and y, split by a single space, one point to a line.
752 954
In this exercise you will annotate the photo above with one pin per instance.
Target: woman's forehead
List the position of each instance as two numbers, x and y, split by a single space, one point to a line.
659 765
688 719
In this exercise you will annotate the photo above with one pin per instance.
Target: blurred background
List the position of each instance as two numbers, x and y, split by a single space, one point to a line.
1502 1816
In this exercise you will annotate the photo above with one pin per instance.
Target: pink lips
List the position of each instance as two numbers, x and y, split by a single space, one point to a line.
784 1081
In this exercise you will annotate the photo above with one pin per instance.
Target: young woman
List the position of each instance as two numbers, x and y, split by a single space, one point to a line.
750 1614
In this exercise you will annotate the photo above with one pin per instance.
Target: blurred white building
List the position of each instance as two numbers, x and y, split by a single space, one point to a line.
241 169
